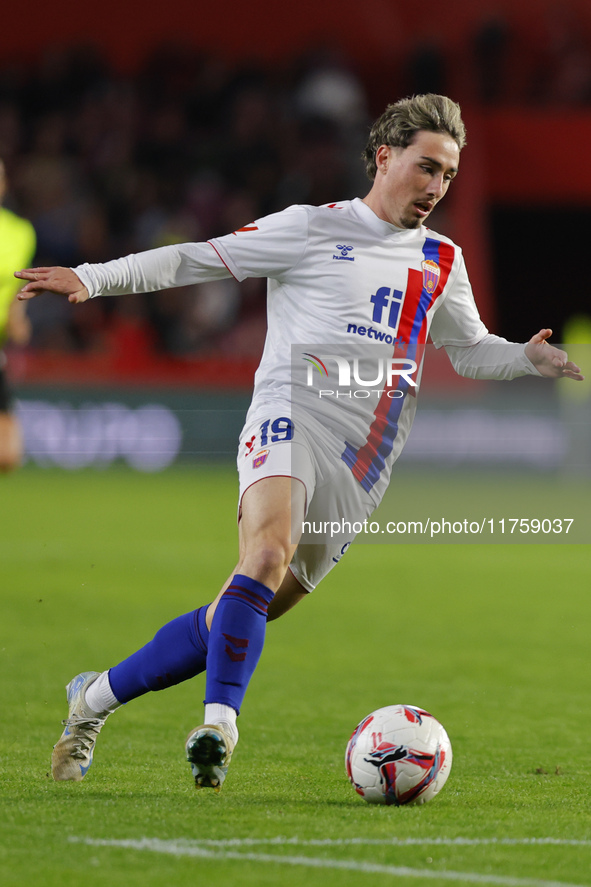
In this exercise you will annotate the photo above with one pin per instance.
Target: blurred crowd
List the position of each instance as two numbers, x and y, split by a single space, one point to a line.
104 165
190 147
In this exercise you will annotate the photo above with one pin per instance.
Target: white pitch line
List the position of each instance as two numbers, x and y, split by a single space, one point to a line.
196 849
386 842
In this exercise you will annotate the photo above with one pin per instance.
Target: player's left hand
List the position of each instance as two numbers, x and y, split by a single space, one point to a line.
551 361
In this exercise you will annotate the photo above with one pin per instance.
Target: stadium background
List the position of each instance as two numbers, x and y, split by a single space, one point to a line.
128 145
121 132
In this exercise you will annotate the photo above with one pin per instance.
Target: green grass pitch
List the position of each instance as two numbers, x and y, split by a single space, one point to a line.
493 639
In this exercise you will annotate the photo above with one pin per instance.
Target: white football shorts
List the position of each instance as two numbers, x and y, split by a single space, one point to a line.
275 445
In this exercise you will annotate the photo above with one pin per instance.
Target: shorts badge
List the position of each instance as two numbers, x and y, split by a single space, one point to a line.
431 272
260 458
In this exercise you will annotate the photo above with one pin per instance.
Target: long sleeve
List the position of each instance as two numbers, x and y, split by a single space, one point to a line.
491 358
156 269
473 351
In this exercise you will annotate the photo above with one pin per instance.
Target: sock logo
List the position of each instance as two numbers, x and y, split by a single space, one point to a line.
239 643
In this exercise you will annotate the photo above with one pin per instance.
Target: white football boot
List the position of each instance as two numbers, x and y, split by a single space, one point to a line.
72 753
209 751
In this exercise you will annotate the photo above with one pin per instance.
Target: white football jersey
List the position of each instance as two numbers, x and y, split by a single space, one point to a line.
347 293
345 286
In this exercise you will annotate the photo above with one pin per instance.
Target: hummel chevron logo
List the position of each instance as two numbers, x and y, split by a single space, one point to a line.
240 643
344 250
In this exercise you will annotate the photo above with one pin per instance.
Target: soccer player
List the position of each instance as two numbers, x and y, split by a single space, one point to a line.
363 271
17 247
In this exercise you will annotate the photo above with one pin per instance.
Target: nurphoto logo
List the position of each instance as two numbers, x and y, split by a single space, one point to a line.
383 370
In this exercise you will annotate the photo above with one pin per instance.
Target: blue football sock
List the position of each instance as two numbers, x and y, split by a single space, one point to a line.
177 652
236 640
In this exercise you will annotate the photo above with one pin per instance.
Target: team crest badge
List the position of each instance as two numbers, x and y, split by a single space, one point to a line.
260 458
431 272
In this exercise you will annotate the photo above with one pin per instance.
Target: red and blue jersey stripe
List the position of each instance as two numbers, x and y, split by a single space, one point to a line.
368 462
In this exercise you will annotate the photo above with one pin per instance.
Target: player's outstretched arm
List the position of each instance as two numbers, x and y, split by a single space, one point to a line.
551 361
54 280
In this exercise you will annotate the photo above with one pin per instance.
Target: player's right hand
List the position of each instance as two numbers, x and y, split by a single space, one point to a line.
52 280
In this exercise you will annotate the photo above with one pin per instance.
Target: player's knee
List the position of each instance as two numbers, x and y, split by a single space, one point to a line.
267 562
11 445
272 557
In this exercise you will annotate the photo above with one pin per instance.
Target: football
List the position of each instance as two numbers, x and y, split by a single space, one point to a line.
398 755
